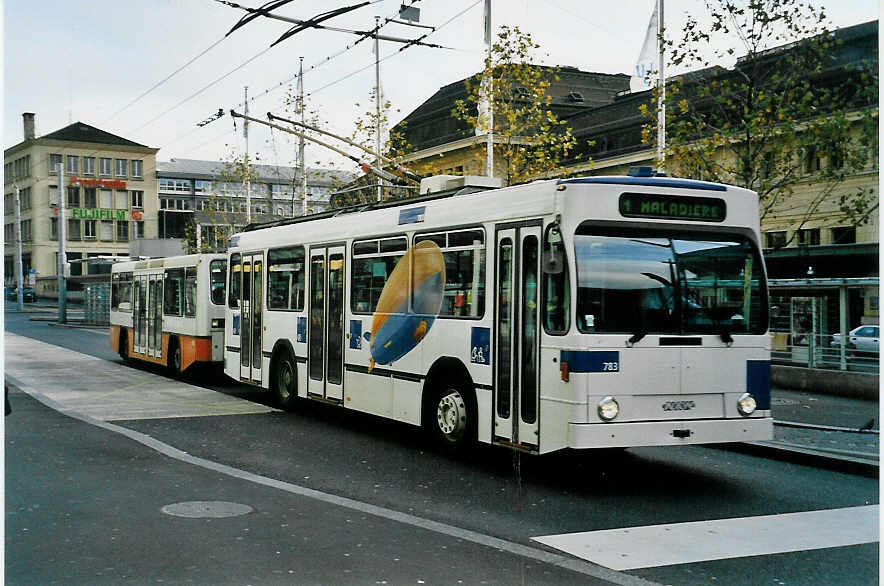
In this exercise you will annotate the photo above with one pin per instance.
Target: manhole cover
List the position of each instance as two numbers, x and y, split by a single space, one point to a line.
206 509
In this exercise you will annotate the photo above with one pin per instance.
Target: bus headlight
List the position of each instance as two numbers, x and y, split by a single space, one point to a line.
608 408
746 404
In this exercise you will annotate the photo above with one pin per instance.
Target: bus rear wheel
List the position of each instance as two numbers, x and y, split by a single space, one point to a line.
450 417
173 363
123 350
285 387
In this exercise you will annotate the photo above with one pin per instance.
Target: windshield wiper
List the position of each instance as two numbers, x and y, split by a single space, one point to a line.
726 337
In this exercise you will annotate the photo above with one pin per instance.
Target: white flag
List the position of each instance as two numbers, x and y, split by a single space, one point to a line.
484 121
646 67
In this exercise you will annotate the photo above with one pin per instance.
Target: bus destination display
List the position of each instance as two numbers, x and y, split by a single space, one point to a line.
672 207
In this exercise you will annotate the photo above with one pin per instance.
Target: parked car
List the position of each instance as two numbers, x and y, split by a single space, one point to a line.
862 338
28 295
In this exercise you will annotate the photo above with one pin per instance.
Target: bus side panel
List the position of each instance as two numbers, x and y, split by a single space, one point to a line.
561 402
485 403
369 393
407 401
195 349
114 338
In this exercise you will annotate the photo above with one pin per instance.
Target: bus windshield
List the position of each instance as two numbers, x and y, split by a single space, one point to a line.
651 281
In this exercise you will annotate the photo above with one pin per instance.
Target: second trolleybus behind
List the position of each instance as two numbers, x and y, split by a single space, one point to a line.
169 311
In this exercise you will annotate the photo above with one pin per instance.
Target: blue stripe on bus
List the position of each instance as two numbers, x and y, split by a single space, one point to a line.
585 361
649 182
758 381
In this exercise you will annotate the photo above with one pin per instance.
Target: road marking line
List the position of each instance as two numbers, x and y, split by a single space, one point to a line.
684 543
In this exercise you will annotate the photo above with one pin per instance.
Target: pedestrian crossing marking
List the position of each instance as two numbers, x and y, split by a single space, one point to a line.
630 548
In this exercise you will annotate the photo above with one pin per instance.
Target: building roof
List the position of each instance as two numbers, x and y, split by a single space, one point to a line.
213 170
431 123
82 132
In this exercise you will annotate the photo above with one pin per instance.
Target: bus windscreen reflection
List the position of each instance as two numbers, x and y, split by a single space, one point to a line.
649 283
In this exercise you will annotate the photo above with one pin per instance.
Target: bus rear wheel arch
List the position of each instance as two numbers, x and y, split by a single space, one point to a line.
450 413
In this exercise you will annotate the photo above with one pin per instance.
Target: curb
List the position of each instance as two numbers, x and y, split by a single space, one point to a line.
859 464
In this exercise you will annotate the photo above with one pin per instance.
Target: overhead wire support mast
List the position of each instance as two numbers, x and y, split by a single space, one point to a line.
366 166
400 170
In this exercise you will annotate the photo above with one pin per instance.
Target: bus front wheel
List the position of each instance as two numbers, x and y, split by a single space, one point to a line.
285 387
450 417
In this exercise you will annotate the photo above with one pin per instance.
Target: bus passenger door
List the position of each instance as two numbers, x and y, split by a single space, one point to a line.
139 314
325 356
517 340
154 338
251 317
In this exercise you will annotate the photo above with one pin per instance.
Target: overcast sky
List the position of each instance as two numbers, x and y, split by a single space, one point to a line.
87 60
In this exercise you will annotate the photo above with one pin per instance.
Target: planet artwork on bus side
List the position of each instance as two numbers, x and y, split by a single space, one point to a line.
396 328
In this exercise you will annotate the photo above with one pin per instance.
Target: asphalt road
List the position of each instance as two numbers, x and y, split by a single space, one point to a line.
83 501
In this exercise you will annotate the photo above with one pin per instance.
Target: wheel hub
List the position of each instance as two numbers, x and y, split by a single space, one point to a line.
451 414
284 380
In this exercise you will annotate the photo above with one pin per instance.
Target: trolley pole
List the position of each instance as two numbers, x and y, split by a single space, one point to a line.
19 277
62 255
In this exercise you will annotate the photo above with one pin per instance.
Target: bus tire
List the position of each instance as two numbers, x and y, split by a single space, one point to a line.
123 350
173 362
450 415
285 381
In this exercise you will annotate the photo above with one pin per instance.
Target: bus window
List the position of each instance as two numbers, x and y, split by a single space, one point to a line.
217 275
464 255
235 275
173 289
285 274
121 292
125 292
373 261
190 291
556 288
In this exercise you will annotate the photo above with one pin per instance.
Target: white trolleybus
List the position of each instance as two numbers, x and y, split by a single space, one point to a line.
169 311
577 313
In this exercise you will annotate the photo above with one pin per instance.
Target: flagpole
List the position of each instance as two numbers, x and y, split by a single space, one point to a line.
488 85
661 97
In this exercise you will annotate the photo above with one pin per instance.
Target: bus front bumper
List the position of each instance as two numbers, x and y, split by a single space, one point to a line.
669 433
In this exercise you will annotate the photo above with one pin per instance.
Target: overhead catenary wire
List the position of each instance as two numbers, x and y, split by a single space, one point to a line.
164 80
327 59
204 88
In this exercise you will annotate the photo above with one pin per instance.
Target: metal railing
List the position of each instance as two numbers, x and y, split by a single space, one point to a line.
822 351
